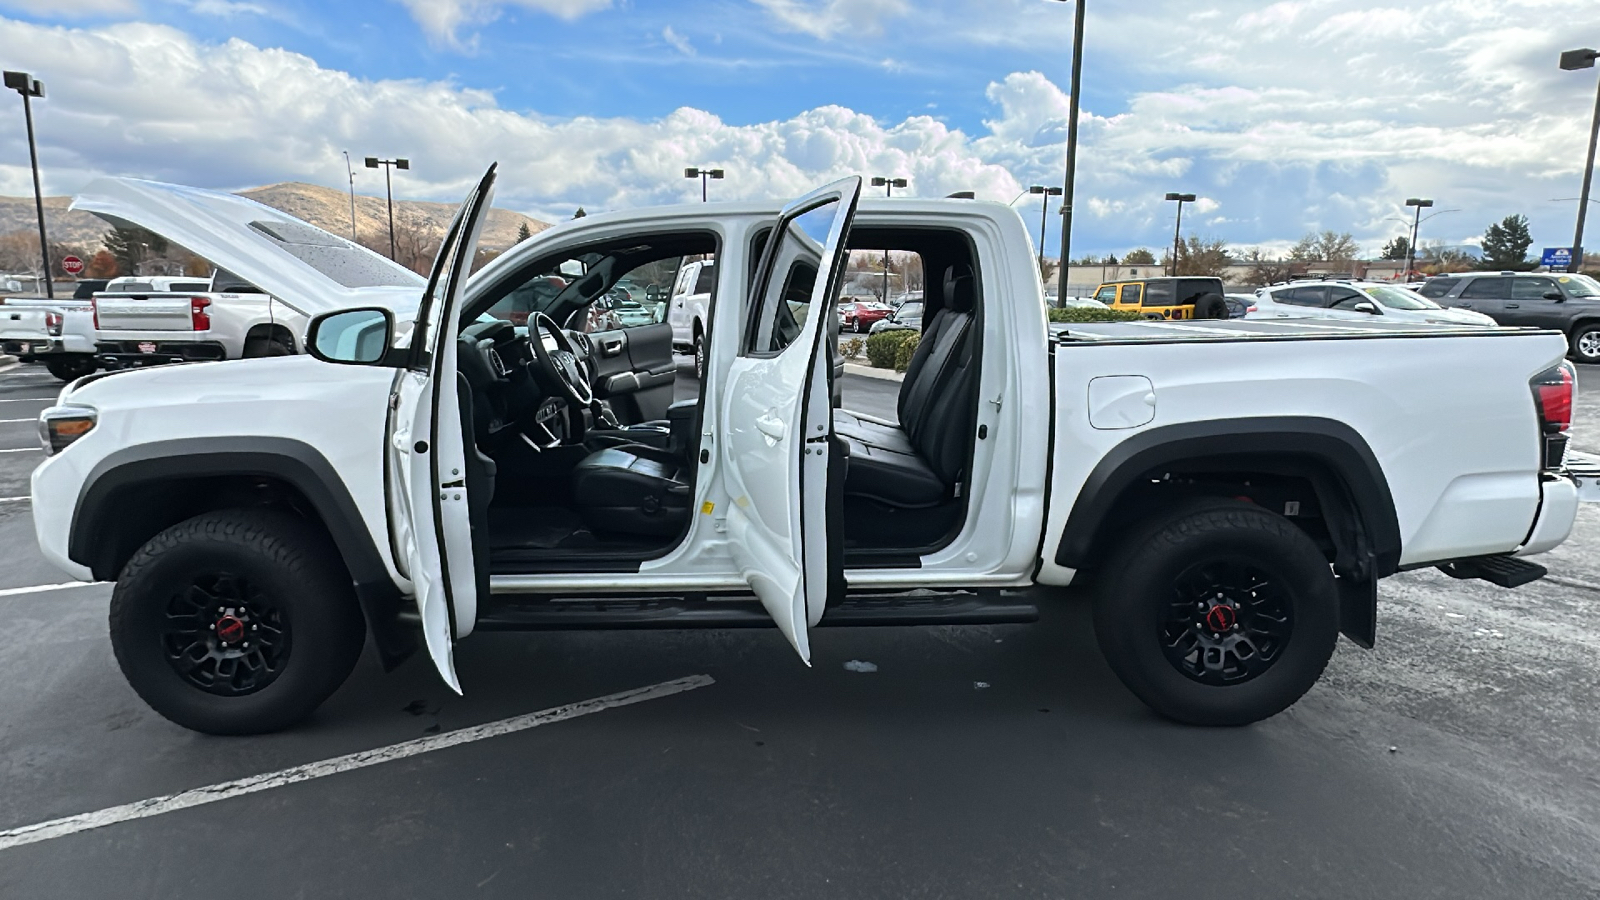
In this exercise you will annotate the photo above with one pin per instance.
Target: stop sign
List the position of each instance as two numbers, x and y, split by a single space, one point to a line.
71 265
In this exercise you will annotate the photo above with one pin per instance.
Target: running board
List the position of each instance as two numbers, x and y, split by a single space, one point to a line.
553 614
1505 571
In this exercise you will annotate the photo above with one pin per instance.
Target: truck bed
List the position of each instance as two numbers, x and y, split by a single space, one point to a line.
1262 330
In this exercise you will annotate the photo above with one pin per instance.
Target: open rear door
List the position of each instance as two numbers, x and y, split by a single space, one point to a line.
427 451
778 415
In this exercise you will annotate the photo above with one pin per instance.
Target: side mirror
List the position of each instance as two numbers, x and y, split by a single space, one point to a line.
1557 296
352 337
1365 307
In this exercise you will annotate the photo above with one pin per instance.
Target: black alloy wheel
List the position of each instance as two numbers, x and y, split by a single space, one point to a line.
1227 622
224 635
699 355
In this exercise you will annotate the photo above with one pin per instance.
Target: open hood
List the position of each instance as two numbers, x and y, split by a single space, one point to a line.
296 262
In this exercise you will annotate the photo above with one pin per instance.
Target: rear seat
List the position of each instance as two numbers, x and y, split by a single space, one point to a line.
919 463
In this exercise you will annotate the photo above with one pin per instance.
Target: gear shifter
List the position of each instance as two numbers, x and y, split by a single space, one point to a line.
602 416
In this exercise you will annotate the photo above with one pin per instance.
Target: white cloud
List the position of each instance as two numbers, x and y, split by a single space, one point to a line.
150 101
678 41
826 18
228 8
72 8
442 20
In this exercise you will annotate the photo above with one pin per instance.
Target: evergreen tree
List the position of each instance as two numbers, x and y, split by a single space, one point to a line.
523 232
580 213
1398 248
1505 244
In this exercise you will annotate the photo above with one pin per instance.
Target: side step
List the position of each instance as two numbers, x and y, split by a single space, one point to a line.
539 613
1505 571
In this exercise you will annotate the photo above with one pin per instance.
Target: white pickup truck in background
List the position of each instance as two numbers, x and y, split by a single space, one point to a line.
57 332
688 309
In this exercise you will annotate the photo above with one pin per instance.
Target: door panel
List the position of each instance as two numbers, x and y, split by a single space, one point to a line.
427 450
634 371
776 435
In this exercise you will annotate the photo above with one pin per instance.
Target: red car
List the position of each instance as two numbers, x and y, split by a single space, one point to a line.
859 317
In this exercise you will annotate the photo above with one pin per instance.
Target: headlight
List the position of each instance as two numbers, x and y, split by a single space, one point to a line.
59 426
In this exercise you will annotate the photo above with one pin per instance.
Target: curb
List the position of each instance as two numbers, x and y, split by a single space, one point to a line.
874 372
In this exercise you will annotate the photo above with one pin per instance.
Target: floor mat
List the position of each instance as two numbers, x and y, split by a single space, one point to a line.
537 528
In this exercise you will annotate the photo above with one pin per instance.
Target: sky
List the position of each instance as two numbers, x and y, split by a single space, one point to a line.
1283 117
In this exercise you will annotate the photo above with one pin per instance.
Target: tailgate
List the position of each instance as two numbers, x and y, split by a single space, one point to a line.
21 324
144 312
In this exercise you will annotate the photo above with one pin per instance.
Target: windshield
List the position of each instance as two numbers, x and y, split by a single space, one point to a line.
910 310
1580 285
1399 298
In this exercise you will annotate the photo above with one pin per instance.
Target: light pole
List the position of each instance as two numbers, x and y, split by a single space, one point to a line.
1044 207
1177 230
1072 147
1416 222
888 184
30 87
352 173
1571 61
388 187
705 176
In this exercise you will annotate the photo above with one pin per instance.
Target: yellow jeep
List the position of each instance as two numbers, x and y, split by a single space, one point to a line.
1183 297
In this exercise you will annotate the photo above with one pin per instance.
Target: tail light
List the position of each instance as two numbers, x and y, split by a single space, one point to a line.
199 319
94 309
1554 390
52 323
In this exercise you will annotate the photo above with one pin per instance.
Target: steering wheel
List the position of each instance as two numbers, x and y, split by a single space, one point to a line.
561 367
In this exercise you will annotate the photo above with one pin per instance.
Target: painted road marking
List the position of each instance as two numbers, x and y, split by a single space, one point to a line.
29 400
41 588
144 809
6 421
14 499
23 450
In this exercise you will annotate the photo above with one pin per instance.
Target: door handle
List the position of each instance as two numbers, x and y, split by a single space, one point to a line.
1513 306
771 426
611 348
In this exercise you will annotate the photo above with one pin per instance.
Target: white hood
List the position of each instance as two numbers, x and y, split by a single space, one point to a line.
299 264
1449 316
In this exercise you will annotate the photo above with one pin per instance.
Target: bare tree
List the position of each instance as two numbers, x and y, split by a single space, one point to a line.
1265 270
1329 246
1201 256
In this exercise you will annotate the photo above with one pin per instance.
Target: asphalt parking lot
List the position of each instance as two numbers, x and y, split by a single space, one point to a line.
1459 759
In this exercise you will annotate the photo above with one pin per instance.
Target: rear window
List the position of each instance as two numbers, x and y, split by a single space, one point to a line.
347 264
191 286
1438 287
706 280
133 286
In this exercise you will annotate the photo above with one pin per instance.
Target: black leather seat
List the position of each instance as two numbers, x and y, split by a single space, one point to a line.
632 489
920 463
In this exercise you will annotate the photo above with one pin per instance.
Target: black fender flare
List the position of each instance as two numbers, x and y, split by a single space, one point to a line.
1369 546
293 462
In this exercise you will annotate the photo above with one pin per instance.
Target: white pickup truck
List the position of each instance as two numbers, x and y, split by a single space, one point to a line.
689 309
58 332
1233 490
144 322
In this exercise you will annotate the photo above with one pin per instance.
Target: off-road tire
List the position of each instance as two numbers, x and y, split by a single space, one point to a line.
1211 306
1586 343
254 348
71 368
290 562
1139 588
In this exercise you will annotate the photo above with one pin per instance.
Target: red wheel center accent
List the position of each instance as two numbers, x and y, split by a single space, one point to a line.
230 630
1221 618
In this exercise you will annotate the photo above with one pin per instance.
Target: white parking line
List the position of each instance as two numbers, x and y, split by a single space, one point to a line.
29 400
23 450
15 499
4 421
144 809
41 588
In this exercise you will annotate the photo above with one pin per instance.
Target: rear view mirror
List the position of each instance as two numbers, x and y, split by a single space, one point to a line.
359 337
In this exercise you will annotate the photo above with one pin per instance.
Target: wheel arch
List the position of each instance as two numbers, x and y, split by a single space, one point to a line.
1332 460
272 331
137 492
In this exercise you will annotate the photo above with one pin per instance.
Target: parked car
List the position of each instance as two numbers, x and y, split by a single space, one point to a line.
1569 304
688 310
902 299
1235 497
1239 305
56 332
861 315
1356 300
1077 303
907 318
1185 297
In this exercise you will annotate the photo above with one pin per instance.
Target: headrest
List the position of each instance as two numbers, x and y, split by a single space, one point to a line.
960 291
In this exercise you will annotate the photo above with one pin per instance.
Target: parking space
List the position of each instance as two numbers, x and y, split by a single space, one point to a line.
1458 759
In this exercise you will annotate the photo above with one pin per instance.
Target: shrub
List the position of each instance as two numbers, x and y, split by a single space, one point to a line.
1091 314
883 346
853 348
902 356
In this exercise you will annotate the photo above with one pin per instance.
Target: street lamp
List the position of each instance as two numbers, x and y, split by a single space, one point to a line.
388 187
1072 146
1416 222
704 175
1044 207
1571 61
30 87
888 184
1177 230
